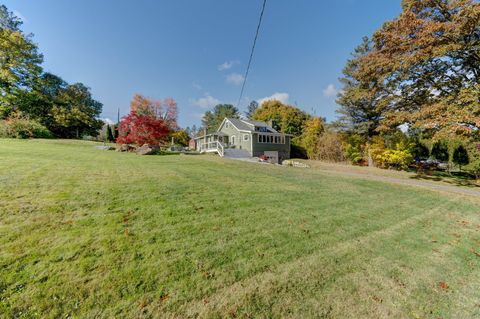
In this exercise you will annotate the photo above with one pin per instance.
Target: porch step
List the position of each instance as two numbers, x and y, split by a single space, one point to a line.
236 153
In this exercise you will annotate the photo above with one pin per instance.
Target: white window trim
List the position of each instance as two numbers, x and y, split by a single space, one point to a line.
246 137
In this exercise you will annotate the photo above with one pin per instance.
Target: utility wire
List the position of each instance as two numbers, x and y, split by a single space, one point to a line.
251 53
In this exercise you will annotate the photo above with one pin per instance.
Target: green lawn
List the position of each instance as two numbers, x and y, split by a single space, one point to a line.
95 234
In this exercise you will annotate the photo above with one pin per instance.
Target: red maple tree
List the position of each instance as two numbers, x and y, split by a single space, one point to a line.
142 129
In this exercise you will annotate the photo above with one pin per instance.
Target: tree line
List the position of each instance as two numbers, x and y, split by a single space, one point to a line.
34 103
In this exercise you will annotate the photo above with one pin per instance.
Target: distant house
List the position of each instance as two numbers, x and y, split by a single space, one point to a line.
244 138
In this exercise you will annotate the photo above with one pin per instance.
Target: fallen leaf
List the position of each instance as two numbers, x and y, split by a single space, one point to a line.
444 285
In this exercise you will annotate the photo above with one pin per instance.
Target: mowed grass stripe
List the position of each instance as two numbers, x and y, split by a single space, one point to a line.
124 235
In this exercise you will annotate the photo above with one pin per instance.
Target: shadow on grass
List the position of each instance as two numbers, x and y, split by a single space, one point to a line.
457 179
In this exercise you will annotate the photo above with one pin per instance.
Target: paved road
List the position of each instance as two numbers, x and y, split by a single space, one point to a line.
411 182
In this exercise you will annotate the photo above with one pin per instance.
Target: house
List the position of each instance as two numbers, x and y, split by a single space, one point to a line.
241 138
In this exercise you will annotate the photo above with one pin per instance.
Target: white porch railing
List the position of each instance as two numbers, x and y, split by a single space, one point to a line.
214 146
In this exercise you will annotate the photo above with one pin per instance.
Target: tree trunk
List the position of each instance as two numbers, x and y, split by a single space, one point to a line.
369 154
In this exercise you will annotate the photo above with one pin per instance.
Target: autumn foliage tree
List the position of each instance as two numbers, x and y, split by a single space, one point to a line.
142 129
149 121
311 136
427 59
165 110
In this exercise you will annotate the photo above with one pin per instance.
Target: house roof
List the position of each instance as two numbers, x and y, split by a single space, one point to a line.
211 134
249 125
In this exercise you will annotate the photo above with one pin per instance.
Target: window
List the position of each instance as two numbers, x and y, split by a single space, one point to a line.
227 124
270 139
232 140
245 137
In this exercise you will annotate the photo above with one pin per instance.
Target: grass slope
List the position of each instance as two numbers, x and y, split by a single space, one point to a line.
88 233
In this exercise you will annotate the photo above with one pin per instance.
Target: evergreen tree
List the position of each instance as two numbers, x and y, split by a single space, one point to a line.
360 99
252 107
440 152
212 119
110 136
115 131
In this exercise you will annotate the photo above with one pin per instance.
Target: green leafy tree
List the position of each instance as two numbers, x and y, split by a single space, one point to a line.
77 113
212 119
460 156
474 158
290 119
440 151
355 148
8 20
38 102
19 61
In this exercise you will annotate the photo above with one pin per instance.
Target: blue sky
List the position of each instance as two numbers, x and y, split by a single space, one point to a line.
196 51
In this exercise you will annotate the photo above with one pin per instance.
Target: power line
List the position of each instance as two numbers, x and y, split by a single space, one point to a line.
251 53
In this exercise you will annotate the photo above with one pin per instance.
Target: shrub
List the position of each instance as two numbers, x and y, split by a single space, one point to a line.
313 130
296 148
420 151
354 147
399 159
330 148
460 156
399 156
376 150
18 127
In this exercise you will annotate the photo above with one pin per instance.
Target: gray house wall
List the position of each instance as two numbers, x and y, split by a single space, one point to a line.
259 148
240 143
252 145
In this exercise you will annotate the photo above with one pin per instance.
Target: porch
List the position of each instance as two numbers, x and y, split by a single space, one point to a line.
212 143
